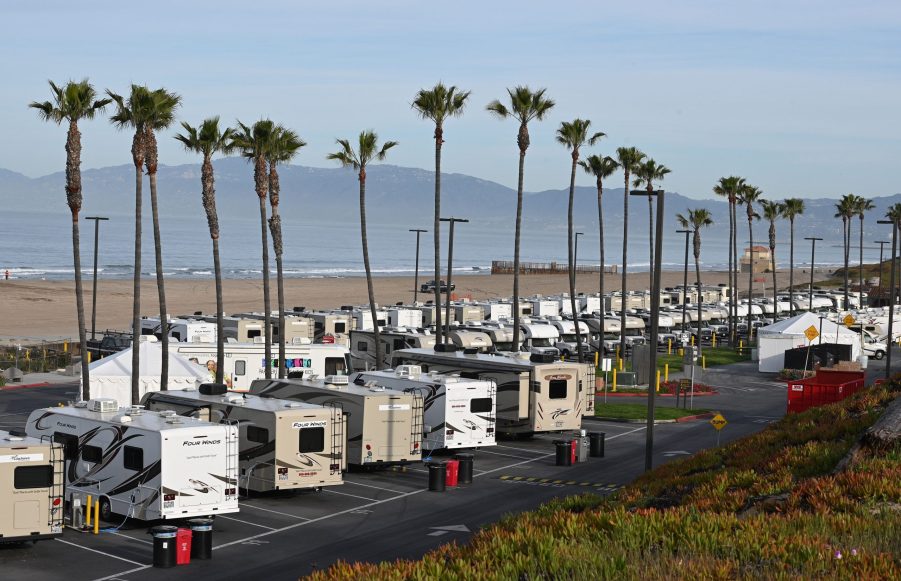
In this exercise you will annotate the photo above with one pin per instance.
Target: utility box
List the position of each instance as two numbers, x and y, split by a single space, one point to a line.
691 355
641 356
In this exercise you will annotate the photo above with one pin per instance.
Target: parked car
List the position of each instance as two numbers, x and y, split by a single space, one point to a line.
111 342
429 287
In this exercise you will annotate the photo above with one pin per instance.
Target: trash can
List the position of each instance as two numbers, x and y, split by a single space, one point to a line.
596 444
437 476
183 547
164 545
573 450
582 446
453 468
465 473
564 452
201 538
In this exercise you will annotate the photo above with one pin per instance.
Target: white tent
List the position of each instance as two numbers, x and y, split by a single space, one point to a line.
774 340
111 376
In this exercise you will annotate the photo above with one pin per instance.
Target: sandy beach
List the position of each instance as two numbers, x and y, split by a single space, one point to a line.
42 309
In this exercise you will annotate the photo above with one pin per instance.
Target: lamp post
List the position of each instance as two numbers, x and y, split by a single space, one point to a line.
450 271
685 281
655 323
813 249
96 220
416 275
891 299
881 244
576 262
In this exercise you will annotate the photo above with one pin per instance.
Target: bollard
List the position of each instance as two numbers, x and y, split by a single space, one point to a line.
563 452
741 346
713 339
89 356
87 515
164 545
681 352
97 517
614 380
669 346
665 372
692 340
466 464
596 444
201 538
703 362
597 355
658 381
437 476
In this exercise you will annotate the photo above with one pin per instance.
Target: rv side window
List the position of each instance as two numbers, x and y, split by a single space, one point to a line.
92 454
146 331
399 344
257 434
33 477
133 458
557 389
335 366
69 442
177 336
240 367
469 375
480 405
312 440
251 333
361 346
341 327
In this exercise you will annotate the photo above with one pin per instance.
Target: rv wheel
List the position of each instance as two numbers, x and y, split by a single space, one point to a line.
106 510
879 355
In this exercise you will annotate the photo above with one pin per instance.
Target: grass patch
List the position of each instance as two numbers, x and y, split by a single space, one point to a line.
713 356
639 411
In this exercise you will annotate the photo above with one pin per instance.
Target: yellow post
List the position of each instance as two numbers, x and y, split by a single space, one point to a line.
692 340
703 362
681 352
741 345
614 379
666 372
89 356
621 364
597 355
88 505
97 517
658 381
713 339
669 346
65 347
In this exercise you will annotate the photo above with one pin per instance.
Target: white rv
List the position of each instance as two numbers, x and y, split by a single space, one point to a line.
539 394
142 464
283 444
404 317
542 307
500 334
459 413
466 312
496 311
362 343
383 426
184 330
468 339
567 343
332 327
245 362
363 318
540 338
31 488
299 328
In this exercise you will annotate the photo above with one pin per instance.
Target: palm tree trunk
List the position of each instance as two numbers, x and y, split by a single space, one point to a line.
735 265
697 253
860 267
79 308
729 276
651 236
275 225
516 236
601 276
846 240
750 275
572 263
436 228
267 304
369 289
138 156
160 284
220 338
791 268
624 286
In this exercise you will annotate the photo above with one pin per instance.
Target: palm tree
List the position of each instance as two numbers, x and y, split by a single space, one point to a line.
207 140
696 219
160 115
367 150
132 113
728 187
747 197
73 102
629 158
894 214
438 104
646 174
573 135
846 209
863 206
283 146
772 211
252 143
525 106
601 168
791 209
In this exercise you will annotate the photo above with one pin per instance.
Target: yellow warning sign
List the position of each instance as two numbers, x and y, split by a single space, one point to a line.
718 422
811 333
848 320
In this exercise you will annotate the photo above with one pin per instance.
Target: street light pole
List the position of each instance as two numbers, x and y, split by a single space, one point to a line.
881 244
890 340
576 263
416 276
685 282
96 220
450 271
813 249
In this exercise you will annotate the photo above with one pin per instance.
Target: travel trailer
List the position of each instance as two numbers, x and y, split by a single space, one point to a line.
501 335
539 394
468 339
245 362
466 313
544 307
299 328
493 311
332 327
241 330
458 412
404 317
184 330
31 488
363 318
383 426
283 445
362 343
567 342
141 464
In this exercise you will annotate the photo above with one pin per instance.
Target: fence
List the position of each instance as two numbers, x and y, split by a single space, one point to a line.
506 267
39 357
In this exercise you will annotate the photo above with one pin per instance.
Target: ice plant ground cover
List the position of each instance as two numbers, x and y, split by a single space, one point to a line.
773 505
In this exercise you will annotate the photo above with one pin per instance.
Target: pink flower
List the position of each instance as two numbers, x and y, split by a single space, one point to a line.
838 554
853 552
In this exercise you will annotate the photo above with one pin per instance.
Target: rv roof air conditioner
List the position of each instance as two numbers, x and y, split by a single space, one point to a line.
408 370
213 388
135 410
123 419
234 399
11 438
174 420
103 405
336 380
167 413
293 404
445 348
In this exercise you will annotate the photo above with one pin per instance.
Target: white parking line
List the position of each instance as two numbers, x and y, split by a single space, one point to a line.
253 524
351 495
346 481
520 449
627 433
505 455
253 506
105 554
131 538
513 465
119 574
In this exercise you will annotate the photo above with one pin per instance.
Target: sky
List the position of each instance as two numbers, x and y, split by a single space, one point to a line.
800 97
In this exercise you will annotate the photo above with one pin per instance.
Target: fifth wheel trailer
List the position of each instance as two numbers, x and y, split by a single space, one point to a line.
31 488
283 444
383 426
539 394
146 465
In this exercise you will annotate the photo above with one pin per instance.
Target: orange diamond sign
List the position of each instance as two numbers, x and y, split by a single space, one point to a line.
811 333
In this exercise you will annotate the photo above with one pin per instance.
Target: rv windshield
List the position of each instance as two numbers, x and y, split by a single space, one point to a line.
538 342
568 337
503 345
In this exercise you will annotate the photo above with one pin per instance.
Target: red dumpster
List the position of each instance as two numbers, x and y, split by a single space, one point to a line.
183 547
827 386
453 472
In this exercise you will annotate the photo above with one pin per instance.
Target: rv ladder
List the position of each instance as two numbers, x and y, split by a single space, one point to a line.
337 455
416 423
56 491
231 453
492 419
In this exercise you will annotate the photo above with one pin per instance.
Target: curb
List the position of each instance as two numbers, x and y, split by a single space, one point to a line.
697 417
622 421
27 385
645 395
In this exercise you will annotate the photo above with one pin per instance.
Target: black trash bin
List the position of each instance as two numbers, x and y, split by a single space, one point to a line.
201 538
466 462
164 545
596 444
437 476
564 452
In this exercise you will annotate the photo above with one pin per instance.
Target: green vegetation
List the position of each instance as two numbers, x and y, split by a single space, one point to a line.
772 505
713 356
639 411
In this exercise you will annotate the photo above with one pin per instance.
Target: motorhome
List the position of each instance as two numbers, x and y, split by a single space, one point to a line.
539 394
362 351
332 327
383 426
540 339
467 339
31 488
141 464
299 327
404 317
458 412
501 334
283 445
567 342
245 362
184 330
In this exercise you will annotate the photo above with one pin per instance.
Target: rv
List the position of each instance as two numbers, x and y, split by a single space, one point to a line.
245 362
538 394
540 338
404 317
542 307
468 339
363 345
363 318
141 464
567 342
466 312
31 488
501 335
282 444
459 413
383 426
299 328
496 311
184 330
332 327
